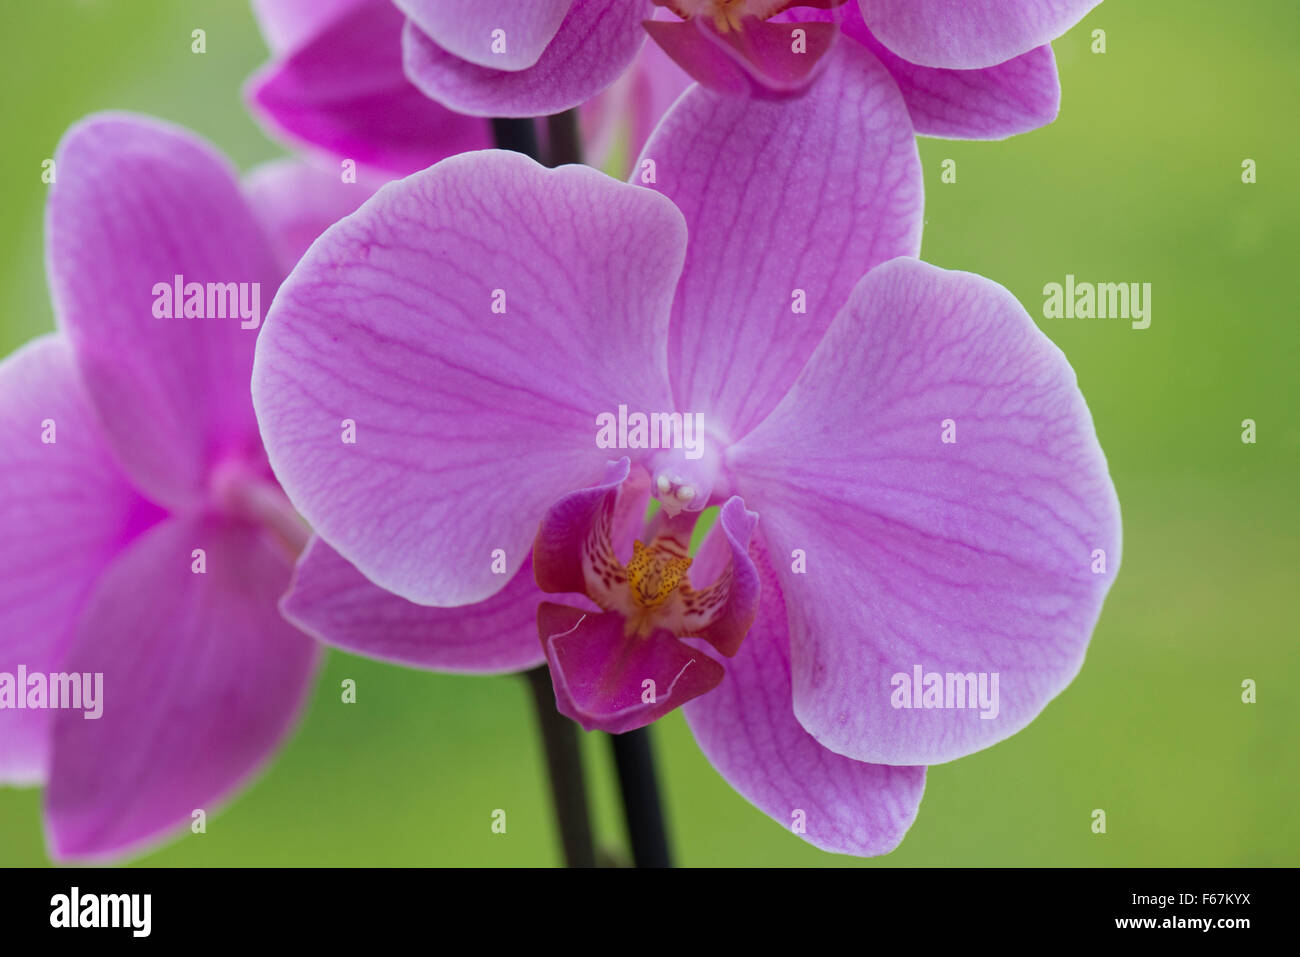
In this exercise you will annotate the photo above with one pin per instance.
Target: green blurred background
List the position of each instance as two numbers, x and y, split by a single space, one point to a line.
1140 180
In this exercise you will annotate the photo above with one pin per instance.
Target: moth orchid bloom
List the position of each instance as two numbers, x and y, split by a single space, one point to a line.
145 539
478 322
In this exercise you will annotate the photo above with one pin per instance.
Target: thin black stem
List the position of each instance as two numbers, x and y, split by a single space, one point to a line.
564 145
517 135
564 764
634 758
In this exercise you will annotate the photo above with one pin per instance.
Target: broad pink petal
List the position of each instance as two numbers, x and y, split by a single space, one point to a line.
596 42
295 202
966 557
345 93
66 510
202 681
969 34
747 729
608 681
137 203
469 422
466 28
334 602
779 198
287 24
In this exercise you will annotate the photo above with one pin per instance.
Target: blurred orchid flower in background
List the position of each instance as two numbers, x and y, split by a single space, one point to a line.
336 87
475 321
145 537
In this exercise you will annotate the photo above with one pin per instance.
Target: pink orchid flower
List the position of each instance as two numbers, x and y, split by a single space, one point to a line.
906 472
146 540
969 69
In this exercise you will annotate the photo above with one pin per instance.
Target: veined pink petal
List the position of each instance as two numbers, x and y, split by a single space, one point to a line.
606 680
498 34
595 43
1013 97
787 205
138 203
287 24
66 510
333 601
295 202
469 420
969 34
344 93
202 681
937 469
747 729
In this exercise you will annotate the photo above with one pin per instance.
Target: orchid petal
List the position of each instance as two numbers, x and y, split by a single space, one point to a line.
335 603
969 34
136 204
498 34
1017 96
956 552
594 45
469 422
202 682
345 93
787 204
747 729
67 510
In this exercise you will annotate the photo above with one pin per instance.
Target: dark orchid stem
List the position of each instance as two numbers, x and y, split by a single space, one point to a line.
564 145
634 758
564 764
559 734
517 135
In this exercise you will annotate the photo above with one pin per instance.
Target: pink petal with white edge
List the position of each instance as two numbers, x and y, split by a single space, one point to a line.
499 34
969 34
787 204
66 510
138 202
334 602
594 45
966 557
202 682
469 422
1017 96
747 729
